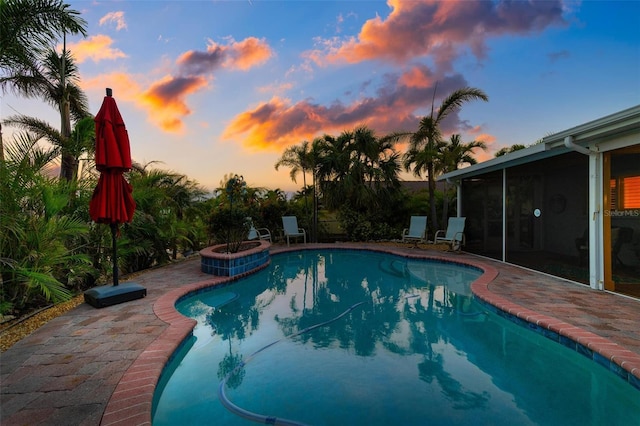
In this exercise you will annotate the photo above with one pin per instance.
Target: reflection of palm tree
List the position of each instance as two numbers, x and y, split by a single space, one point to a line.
379 322
373 324
462 398
238 319
230 369
425 332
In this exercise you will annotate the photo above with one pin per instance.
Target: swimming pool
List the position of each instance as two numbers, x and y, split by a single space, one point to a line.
400 341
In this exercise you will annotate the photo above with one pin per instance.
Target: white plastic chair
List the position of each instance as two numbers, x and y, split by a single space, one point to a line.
290 225
257 233
454 234
417 231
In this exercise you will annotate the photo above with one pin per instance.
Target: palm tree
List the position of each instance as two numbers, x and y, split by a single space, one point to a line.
426 142
56 80
357 169
508 150
358 177
30 27
455 153
452 155
332 169
300 158
297 158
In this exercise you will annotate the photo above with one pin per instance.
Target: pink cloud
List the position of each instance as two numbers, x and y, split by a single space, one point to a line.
96 48
248 53
441 29
241 55
165 100
278 123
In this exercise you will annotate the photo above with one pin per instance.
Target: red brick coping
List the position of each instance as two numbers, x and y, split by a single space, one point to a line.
131 402
617 359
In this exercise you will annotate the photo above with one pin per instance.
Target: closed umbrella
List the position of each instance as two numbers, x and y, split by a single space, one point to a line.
112 201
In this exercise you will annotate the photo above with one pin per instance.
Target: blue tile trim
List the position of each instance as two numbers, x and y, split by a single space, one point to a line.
566 342
235 266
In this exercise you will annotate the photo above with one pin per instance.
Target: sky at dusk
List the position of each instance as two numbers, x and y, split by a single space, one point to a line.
208 88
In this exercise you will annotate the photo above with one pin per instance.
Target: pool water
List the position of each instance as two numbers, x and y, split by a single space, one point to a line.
342 337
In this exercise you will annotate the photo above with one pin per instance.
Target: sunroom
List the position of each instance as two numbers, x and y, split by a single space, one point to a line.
568 206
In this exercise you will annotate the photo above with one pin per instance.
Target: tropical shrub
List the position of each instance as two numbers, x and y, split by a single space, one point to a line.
41 246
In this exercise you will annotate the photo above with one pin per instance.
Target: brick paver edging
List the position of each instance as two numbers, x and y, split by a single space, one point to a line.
131 402
620 361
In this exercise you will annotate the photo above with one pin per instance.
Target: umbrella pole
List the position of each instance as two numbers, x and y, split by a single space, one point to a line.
114 231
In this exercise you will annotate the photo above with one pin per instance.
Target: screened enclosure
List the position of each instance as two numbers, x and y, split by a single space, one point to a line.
568 206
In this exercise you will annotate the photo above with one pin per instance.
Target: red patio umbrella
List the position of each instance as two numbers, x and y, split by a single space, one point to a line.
112 201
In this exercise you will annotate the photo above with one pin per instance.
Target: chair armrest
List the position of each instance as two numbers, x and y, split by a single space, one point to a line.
459 236
264 233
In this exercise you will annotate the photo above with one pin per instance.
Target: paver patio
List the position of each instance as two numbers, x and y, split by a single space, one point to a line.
100 366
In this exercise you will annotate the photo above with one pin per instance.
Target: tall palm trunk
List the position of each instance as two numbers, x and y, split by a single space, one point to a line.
1 146
432 195
68 161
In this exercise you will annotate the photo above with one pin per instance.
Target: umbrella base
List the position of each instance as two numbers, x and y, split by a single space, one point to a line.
108 295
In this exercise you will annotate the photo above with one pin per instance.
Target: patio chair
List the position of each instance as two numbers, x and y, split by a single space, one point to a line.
454 235
290 225
257 233
417 231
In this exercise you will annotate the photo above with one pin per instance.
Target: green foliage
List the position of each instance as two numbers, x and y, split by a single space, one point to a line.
272 206
50 249
364 227
427 151
41 260
230 227
509 149
31 26
168 220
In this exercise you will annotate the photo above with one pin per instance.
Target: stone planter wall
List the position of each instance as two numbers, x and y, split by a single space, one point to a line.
215 262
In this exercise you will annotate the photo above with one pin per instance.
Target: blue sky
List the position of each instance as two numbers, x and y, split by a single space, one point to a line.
209 88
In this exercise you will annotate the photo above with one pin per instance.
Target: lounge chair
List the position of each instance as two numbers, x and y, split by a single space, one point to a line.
290 225
417 231
454 234
257 233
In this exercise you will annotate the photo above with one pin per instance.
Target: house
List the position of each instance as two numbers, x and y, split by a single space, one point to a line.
414 187
568 206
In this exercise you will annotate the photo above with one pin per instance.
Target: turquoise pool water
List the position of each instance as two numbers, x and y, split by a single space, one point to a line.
361 338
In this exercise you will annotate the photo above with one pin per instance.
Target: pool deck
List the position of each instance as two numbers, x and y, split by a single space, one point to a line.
100 366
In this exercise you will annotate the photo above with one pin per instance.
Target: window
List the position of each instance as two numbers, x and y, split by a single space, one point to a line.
631 192
625 193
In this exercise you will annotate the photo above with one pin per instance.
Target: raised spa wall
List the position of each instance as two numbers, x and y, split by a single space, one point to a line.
231 264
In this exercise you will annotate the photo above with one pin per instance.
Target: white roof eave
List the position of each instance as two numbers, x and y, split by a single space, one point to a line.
584 135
